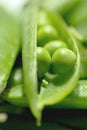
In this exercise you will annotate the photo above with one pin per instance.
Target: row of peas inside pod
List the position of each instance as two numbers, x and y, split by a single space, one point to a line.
50 60
54 57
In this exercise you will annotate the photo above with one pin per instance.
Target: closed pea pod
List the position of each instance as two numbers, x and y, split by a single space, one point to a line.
9 45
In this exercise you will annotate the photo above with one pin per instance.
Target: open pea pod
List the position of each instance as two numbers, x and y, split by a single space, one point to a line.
55 92
9 45
57 89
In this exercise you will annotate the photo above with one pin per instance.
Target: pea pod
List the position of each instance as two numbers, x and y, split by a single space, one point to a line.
83 67
53 92
64 7
9 46
29 56
78 18
83 52
75 100
16 96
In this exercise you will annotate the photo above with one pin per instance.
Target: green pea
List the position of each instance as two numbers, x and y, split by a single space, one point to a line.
43 61
63 61
54 45
45 34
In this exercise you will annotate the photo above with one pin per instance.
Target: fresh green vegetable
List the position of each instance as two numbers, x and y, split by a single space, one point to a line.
45 34
9 46
54 45
57 91
76 100
15 95
29 57
81 43
77 18
63 61
43 61
53 92
51 53
83 66
63 6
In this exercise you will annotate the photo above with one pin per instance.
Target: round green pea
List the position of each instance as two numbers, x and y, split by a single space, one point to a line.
43 61
52 46
45 34
63 61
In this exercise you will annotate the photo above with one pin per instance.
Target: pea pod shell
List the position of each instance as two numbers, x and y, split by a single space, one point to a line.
9 46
